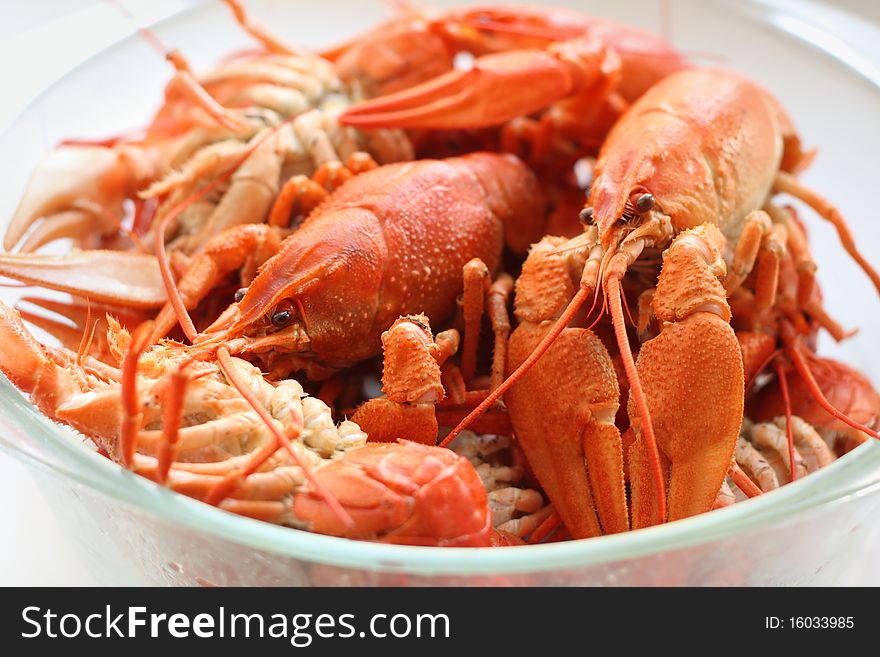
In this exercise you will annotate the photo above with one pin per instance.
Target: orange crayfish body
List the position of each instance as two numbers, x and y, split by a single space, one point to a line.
389 242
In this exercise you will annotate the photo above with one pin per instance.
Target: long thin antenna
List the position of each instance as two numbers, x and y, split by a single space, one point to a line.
148 35
131 405
85 343
613 294
171 419
786 402
803 369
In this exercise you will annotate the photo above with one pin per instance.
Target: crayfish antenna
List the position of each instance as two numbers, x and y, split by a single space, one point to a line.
803 369
269 41
613 294
281 440
786 402
171 420
88 335
146 33
174 295
131 405
184 82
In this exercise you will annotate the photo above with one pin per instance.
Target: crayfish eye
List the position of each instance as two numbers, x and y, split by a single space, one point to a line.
645 202
239 294
586 216
281 318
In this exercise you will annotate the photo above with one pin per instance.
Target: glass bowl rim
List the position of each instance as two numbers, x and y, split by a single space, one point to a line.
75 461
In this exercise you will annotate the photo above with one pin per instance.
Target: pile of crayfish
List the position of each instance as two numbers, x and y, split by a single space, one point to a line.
375 293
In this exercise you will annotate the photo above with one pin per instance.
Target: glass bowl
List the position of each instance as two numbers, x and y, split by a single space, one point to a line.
819 530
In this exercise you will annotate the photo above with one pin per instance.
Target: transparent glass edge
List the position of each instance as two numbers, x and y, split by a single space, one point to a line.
113 39
88 468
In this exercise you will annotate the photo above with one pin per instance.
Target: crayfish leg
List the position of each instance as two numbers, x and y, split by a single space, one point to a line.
476 279
496 302
269 41
788 184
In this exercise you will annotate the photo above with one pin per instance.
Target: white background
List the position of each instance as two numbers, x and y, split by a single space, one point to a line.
33 550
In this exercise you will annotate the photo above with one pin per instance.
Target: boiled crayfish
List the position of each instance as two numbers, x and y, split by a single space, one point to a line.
278 220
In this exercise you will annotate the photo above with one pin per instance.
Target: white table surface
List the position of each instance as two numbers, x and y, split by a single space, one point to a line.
32 546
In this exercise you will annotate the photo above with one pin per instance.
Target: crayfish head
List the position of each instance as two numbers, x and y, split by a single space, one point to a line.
278 332
620 198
